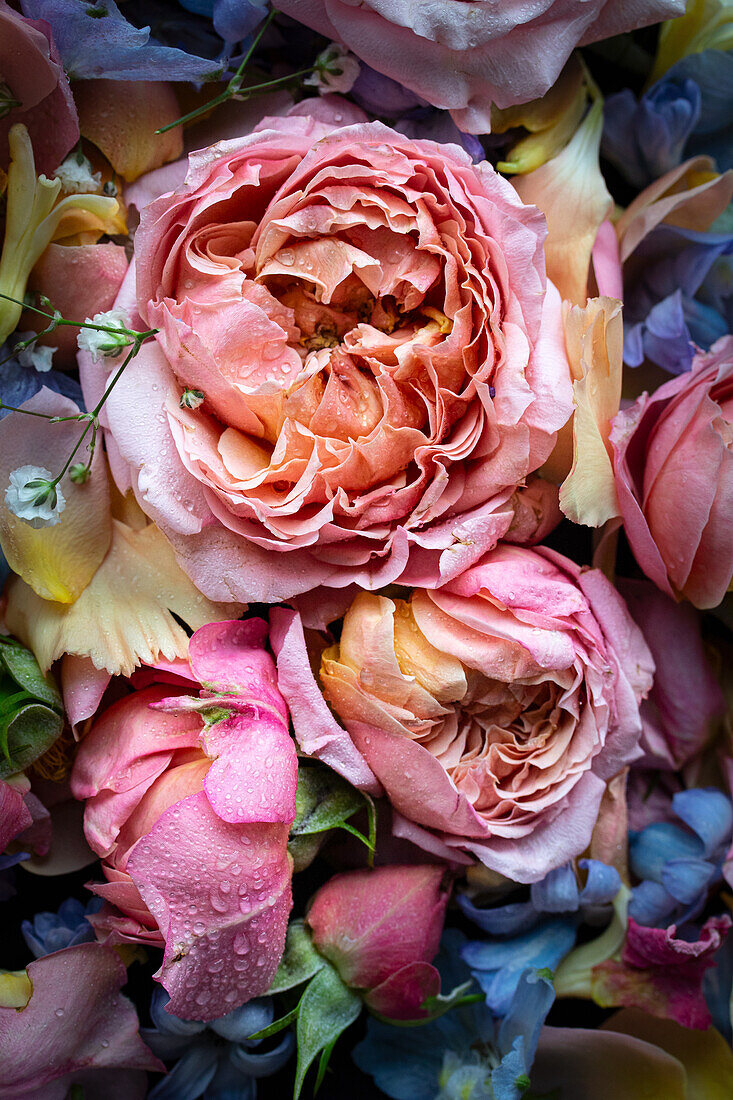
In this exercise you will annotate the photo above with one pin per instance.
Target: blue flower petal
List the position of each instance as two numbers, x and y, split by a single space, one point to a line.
498 966
651 848
709 813
557 892
528 1010
651 905
687 880
712 72
238 1025
95 40
166 1022
256 1063
189 1076
602 884
504 920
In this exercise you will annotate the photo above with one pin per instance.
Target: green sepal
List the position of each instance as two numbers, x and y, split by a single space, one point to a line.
25 734
326 1009
300 959
324 801
24 669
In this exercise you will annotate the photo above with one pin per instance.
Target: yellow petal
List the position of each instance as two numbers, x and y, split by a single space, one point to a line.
125 616
551 120
32 220
57 562
15 988
571 193
120 118
706 25
593 340
707 1058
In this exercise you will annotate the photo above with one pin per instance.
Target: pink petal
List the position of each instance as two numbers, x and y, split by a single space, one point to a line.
220 894
401 995
76 1019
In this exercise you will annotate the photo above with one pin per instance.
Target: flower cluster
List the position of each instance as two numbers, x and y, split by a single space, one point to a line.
366 549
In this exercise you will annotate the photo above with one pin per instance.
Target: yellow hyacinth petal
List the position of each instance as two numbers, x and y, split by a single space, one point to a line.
571 192
57 562
593 339
118 633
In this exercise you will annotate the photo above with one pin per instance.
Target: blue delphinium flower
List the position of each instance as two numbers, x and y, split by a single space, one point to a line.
678 864
96 40
676 295
712 72
216 1060
644 139
233 19
537 933
49 932
19 384
466 1054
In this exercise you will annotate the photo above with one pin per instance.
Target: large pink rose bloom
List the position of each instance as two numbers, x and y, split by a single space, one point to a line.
380 354
464 56
492 710
192 820
673 463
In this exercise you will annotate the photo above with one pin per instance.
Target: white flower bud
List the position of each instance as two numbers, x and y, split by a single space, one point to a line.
77 177
32 496
108 344
336 70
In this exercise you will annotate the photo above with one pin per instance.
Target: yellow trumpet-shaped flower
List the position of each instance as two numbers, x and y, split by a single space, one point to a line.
34 219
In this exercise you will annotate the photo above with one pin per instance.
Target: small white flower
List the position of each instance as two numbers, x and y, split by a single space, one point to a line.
105 343
77 177
191 399
32 496
35 356
336 70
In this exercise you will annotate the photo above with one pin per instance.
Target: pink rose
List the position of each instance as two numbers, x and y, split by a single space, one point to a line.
381 929
492 710
673 466
465 56
192 819
381 358
34 90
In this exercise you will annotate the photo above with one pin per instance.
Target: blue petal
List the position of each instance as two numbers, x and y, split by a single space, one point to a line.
166 1022
557 892
712 72
708 813
263 1063
717 985
530 1005
229 1084
106 45
244 1021
646 139
236 19
602 884
687 880
651 905
189 1077
498 966
405 1063
504 920
651 848
19 384
512 1066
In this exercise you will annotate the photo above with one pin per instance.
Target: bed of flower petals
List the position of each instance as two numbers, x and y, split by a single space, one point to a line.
366 549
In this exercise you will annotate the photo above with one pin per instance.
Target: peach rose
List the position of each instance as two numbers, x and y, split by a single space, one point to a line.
492 710
379 352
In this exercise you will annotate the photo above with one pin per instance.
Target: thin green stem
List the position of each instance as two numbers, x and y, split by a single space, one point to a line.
59 321
27 412
233 87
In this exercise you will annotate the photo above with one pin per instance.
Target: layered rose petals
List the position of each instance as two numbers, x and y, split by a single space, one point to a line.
192 821
381 358
492 710
673 464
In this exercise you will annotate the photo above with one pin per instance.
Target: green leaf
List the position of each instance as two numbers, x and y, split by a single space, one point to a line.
24 669
26 732
323 801
326 1009
276 1025
300 959
438 1006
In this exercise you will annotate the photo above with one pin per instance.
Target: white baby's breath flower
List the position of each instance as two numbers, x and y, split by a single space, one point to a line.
336 70
105 343
35 356
32 496
77 177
